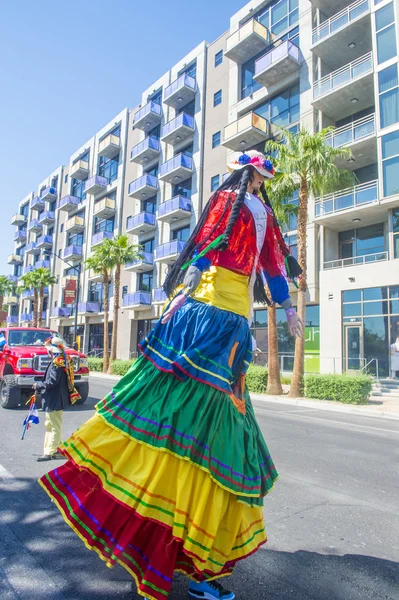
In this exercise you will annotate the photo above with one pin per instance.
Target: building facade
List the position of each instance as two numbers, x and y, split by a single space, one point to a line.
148 173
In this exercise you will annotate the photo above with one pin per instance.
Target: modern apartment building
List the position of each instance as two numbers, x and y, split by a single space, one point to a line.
285 63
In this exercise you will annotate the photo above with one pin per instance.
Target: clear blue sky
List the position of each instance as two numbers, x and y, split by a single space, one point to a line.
68 66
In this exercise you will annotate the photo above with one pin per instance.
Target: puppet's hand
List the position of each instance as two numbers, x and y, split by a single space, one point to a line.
295 325
174 307
192 279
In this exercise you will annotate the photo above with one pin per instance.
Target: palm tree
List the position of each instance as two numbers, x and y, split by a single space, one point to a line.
283 212
305 162
28 283
122 252
42 278
100 262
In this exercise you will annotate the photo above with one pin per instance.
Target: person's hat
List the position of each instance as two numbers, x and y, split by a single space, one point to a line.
255 159
55 345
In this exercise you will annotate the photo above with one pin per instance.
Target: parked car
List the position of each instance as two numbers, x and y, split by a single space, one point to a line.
23 361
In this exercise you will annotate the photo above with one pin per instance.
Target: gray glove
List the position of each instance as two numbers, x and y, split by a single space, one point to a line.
192 279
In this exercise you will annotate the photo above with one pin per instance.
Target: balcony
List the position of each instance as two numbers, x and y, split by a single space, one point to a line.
110 146
42 264
177 208
148 117
12 278
49 194
27 294
89 308
12 320
99 237
247 131
167 253
35 226
181 91
178 130
141 265
32 248
250 39
105 208
59 312
355 261
79 170
280 67
159 296
27 318
137 300
20 236
75 225
10 300
28 269
141 223
74 253
360 136
335 210
47 218
96 184
92 276
144 187
146 151
334 94
37 203
14 259
44 241
18 220
176 169
69 203
352 25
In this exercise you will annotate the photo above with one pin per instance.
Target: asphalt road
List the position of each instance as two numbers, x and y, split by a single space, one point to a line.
333 518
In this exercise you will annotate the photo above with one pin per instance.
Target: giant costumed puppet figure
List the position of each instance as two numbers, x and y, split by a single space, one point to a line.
171 472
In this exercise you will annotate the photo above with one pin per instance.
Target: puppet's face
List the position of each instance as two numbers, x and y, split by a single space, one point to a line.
256 180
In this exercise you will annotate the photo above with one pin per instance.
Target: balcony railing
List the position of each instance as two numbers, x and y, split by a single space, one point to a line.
18 219
170 249
179 206
355 261
137 299
352 133
146 150
9 300
346 199
159 295
47 217
28 269
340 20
20 236
32 248
144 186
69 203
12 320
178 167
14 259
34 225
144 221
97 238
37 203
105 208
96 184
89 307
141 264
79 170
44 241
12 278
250 39
283 59
148 116
342 76
27 317
75 225
245 132
73 252
183 126
181 91
50 193
61 311
42 264
110 146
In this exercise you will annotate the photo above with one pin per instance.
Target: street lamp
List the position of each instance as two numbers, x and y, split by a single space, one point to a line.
78 268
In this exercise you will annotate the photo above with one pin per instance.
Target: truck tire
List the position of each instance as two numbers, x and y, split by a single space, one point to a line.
10 393
83 390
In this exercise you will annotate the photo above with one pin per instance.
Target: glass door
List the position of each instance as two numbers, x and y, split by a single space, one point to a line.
354 349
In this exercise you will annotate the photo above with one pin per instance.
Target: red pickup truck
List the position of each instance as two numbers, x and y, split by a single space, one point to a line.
24 359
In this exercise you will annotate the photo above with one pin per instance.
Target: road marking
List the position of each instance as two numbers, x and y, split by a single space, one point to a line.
291 414
4 474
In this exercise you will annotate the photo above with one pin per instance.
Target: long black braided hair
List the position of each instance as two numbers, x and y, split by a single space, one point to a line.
236 182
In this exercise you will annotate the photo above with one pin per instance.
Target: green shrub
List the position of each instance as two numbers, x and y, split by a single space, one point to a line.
96 364
121 367
256 379
341 388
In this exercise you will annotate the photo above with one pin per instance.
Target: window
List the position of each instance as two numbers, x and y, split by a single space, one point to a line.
183 189
153 171
181 234
156 132
216 139
282 110
54 182
390 163
188 108
125 290
279 15
395 228
75 239
218 58
59 253
149 206
248 83
188 151
78 189
364 241
215 183
96 293
101 224
386 34
148 246
157 97
190 70
108 167
65 178
144 282
292 223
217 98
292 243
25 210
389 96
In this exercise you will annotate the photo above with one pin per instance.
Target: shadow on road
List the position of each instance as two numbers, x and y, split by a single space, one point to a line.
33 536
88 405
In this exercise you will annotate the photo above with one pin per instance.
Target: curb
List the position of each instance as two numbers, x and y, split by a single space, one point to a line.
316 404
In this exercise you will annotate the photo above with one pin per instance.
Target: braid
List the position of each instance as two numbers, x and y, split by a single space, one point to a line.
235 211
285 250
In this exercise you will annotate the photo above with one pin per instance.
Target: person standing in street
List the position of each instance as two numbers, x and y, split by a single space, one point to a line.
57 392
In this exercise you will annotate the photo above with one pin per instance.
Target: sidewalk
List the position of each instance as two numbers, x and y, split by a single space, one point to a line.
387 408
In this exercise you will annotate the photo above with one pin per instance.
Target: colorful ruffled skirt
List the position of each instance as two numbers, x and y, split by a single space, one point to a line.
170 473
